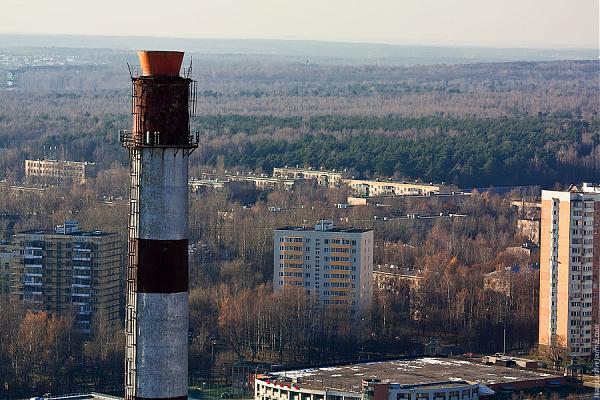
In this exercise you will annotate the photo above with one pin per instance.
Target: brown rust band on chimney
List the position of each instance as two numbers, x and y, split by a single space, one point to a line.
162 266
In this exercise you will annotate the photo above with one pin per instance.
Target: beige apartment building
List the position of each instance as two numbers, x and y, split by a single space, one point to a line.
69 270
59 170
569 268
334 265
322 176
373 188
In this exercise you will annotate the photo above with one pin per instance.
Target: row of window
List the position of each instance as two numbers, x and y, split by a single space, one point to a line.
42 244
340 268
581 313
338 293
292 274
586 232
291 283
453 395
339 284
581 278
307 240
578 322
579 304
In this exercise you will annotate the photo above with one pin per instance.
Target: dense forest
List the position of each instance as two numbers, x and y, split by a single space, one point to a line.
473 125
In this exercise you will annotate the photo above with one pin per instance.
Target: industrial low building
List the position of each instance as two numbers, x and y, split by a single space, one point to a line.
334 265
68 270
412 379
59 170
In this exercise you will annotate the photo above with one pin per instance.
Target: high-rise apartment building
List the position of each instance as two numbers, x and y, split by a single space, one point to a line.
334 265
68 270
7 257
569 268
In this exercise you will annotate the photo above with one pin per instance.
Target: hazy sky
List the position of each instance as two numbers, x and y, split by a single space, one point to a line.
522 23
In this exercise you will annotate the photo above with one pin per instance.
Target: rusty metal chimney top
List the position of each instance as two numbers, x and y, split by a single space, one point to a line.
160 63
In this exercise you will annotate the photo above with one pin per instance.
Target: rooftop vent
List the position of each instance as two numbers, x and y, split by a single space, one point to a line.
67 228
324 225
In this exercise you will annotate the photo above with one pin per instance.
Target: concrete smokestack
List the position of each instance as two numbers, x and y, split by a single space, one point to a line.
156 359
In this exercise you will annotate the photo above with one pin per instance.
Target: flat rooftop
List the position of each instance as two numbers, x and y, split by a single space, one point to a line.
85 396
419 371
77 233
312 229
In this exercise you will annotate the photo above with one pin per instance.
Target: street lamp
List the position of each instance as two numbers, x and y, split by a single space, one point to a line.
503 336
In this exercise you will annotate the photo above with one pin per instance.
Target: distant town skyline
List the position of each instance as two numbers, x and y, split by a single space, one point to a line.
510 23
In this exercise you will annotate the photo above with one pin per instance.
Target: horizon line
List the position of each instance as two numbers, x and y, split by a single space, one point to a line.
314 40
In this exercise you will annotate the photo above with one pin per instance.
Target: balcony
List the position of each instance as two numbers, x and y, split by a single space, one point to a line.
82 286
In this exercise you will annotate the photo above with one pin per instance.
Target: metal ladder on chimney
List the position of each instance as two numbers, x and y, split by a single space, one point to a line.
131 284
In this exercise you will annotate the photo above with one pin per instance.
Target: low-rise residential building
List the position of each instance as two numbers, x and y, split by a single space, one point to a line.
333 265
69 270
59 170
196 184
373 188
527 208
398 286
321 176
261 182
388 278
499 281
530 228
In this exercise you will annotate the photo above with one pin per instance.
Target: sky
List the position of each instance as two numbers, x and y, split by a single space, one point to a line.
494 23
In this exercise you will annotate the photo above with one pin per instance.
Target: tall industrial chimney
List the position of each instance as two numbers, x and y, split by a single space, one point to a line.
156 359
